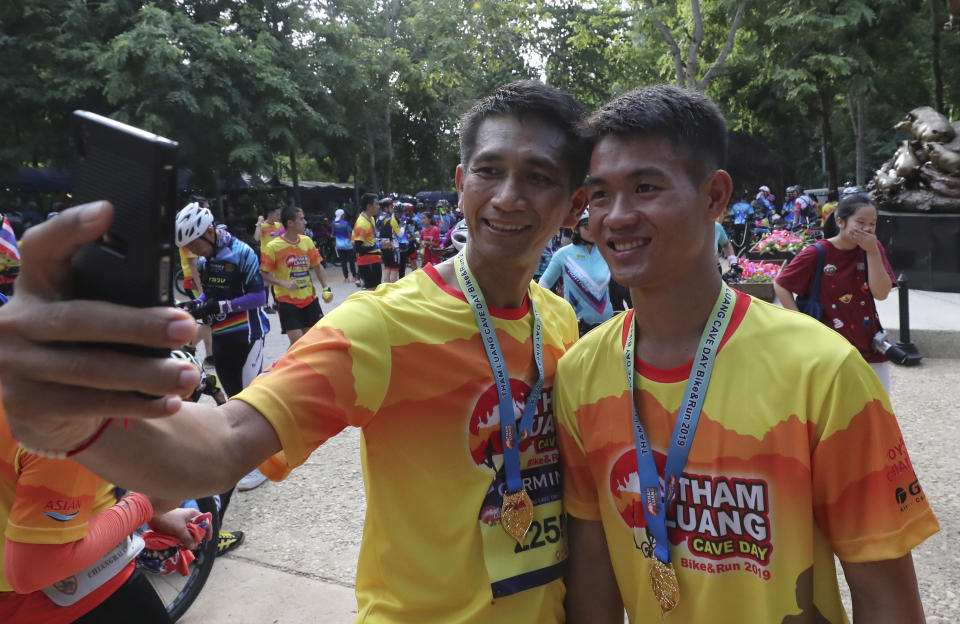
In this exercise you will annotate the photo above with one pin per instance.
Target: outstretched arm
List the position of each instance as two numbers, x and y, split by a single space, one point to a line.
884 592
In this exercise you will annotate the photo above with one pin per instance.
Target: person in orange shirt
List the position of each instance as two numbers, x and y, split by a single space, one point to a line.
285 263
188 263
269 228
364 239
59 520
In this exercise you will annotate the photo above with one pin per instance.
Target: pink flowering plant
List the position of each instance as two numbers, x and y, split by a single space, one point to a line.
758 272
779 241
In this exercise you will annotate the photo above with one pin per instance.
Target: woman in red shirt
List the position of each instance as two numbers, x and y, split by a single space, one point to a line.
855 272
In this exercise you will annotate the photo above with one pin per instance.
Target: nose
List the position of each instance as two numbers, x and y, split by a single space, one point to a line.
620 214
510 194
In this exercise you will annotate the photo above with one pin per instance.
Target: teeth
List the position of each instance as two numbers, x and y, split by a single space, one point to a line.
503 227
626 245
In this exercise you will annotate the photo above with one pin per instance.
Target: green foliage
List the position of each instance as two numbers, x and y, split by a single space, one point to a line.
370 91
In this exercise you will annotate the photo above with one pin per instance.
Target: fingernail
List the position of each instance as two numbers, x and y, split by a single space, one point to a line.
172 405
189 378
181 330
89 213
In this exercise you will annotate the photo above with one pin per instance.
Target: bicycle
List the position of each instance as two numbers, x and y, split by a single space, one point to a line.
178 592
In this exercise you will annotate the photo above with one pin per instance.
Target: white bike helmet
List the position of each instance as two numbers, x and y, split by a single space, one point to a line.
192 222
459 237
585 216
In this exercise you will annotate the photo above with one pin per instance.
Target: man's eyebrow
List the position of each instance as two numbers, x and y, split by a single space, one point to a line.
636 173
497 155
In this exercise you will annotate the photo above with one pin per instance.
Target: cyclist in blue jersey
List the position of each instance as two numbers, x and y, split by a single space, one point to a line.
231 303
345 253
742 212
586 278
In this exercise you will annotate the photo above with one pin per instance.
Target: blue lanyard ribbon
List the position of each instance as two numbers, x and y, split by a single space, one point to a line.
654 500
510 436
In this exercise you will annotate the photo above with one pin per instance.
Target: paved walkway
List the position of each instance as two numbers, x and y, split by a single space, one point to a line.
303 535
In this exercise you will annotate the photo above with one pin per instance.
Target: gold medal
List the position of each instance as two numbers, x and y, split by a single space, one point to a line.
516 514
663 582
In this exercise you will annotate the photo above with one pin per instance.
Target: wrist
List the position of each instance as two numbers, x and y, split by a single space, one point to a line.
64 451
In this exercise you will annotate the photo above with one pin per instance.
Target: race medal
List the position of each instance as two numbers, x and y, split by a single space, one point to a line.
516 514
663 582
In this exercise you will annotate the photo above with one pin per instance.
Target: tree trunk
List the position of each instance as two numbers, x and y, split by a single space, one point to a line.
295 176
826 131
857 105
372 153
935 57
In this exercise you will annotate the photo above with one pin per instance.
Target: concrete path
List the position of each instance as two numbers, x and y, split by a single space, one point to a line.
303 535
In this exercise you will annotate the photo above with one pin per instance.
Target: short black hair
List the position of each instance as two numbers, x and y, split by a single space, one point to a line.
530 98
366 199
850 204
271 207
687 118
289 214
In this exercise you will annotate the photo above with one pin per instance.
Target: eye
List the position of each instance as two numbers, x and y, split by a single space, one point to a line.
645 188
597 194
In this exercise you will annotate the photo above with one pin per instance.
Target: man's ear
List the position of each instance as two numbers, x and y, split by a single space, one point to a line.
719 187
578 203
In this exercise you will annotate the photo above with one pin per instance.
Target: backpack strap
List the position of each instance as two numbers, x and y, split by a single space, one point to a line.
815 288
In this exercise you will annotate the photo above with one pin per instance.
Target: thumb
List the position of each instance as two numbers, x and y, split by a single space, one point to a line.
46 249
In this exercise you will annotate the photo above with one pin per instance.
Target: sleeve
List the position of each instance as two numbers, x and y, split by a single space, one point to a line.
31 567
580 497
268 257
886 263
722 238
250 265
313 254
797 276
54 501
330 379
358 234
866 496
552 274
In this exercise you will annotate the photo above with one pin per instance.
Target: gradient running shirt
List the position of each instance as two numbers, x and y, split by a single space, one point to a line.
586 281
365 231
797 457
47 501
405 363
292 261
270 230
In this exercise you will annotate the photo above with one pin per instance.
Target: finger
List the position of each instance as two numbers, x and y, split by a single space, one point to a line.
46 249
106 369
34 406
96 321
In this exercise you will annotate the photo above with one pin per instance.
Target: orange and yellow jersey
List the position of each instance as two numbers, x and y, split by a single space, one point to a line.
47 501
288 261
270 230
188 278
406 364
797 456
828 209
365 231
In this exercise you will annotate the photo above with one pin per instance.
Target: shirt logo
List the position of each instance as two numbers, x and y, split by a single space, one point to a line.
62 510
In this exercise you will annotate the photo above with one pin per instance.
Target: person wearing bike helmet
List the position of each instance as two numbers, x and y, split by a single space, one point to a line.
231 302
586 278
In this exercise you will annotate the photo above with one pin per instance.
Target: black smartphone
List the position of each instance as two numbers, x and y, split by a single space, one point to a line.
135 171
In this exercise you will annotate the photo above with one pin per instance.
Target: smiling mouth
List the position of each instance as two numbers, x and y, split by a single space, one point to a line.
504 227
627 245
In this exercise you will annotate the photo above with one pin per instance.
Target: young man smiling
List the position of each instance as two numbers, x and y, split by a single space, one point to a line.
690 488
444 480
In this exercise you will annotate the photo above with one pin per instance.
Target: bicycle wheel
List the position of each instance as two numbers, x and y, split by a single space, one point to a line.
178 592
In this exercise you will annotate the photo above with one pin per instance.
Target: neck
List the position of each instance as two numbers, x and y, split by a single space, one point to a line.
670 317
287 234
841 243
502 286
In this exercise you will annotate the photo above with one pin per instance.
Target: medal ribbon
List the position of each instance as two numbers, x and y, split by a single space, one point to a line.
510 436
654 501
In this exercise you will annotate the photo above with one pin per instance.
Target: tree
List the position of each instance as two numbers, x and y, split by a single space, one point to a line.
673 22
